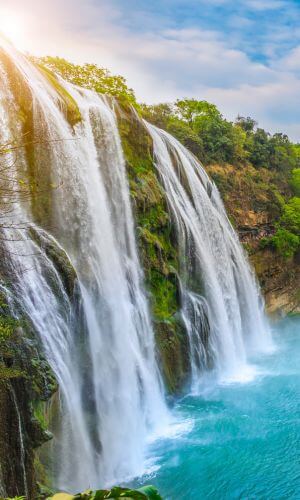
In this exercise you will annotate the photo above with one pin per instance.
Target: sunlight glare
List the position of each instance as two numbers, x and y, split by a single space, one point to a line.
11 27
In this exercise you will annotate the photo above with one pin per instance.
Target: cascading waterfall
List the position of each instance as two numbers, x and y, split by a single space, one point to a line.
102 350
221 303
21 440
109 381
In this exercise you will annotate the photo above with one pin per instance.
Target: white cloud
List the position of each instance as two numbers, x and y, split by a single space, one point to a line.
291 62
165 64
262 5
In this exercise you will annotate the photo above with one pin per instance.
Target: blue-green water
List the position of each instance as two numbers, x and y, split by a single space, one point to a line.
240 440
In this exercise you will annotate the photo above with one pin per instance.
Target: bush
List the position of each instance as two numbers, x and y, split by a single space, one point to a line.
285 242
144 493
291 216
295 181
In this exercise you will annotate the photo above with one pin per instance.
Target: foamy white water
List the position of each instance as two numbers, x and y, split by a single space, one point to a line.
110 387
221 303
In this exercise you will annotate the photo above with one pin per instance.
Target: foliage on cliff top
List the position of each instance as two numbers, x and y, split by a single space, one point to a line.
90 76
257 172
203 129
70 106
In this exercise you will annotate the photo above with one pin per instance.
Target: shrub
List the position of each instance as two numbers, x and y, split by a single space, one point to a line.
285 242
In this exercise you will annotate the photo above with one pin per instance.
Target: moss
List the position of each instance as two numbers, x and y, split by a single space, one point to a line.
39 414
7 373
173 349
26 381
68 104
8 325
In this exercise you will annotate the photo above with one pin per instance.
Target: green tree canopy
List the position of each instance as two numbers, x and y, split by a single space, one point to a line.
89 76
291 215
295 181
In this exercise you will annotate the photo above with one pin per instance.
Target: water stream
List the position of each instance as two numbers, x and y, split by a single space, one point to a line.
221 302
111 392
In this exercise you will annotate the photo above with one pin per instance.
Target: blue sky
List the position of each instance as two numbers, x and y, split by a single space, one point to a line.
243 55
260 28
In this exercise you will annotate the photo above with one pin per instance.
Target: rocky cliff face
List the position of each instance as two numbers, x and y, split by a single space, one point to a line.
26 382
280 282
158 249
253 202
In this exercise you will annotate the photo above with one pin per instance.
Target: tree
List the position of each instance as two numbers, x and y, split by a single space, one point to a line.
89 76
247 124
290 218
158 114
196 112
200 126
282 154
295 181
222 142
258 148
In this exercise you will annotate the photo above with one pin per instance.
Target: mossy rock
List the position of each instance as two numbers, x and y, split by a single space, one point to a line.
58 257
158 247
26 381
67 103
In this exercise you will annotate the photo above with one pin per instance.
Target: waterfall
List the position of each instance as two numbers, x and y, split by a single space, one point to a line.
221 303
21 440
99 341
110 387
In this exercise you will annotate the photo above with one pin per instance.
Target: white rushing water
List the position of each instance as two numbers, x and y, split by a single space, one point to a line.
102 349
110 387
221 303
21 439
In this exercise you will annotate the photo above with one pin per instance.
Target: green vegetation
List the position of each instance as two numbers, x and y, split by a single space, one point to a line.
286 240
90 76
7 327
145 493
15 498
158 248
267 166
295 181
202 128
290 218
256 172
68 104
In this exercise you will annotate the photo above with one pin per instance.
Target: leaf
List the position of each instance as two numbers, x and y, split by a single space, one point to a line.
151 492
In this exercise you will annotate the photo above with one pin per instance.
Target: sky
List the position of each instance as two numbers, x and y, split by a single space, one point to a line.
243 55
